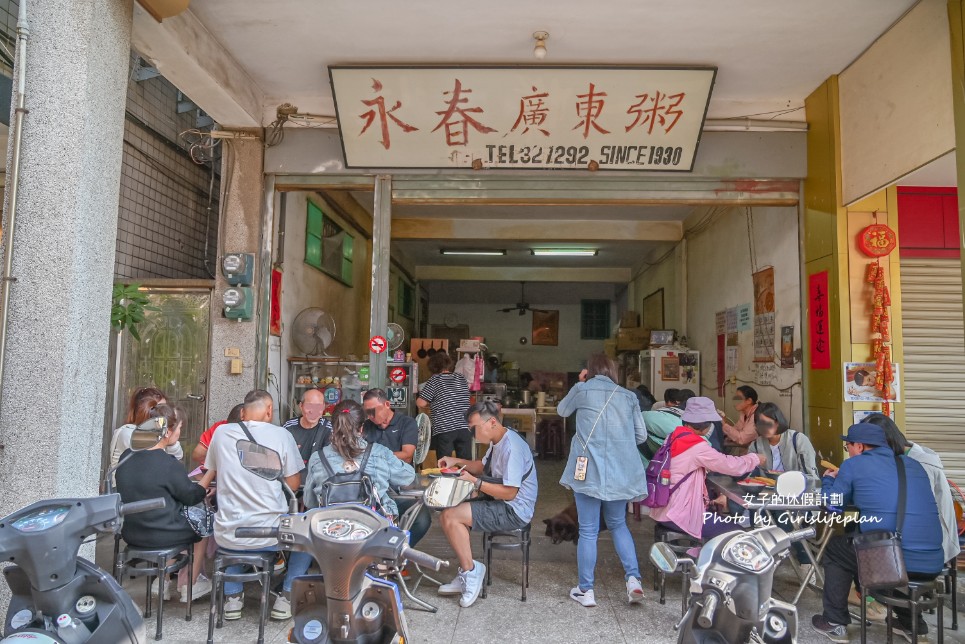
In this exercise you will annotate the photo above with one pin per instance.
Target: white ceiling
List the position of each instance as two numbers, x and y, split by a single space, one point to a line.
770 54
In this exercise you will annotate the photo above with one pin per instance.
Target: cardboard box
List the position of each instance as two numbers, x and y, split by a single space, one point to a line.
633 339
610 348
629 319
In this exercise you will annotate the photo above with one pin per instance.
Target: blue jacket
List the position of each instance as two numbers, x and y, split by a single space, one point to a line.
614 470
869 481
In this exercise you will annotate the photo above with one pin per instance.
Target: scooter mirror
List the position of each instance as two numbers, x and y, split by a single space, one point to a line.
149 433
259 460
446 492
663 557
791 484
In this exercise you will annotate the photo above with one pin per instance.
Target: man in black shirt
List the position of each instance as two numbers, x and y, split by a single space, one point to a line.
311 430
400 434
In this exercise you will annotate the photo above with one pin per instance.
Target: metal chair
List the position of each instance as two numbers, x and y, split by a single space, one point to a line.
521 542
551 438
262 564
950 577
680 543
151 563
406 521
922 595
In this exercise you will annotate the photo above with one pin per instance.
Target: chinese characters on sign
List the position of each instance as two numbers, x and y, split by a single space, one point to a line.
819 317
521 117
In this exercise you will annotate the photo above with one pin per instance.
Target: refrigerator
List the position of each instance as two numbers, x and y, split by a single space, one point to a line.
662 369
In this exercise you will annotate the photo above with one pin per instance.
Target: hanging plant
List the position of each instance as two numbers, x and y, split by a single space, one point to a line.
128 304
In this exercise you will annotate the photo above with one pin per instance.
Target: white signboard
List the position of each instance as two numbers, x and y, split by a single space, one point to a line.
529 118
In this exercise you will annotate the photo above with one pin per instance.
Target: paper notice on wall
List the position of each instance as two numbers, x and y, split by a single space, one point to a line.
731 320
764 337
732 361
744 317
766 373
720 322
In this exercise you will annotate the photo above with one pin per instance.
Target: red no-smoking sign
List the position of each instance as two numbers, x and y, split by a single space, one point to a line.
397 374
378 344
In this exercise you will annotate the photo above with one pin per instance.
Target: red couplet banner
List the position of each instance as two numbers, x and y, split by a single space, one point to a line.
819 318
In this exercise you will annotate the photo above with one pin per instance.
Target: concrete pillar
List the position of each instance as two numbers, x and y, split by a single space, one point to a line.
244 206
54 386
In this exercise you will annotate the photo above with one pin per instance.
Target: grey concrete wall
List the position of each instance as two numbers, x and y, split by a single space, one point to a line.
52 397
165 227
242 172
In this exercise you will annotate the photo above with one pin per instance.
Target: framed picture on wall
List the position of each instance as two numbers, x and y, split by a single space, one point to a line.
652 311
546 328
670 368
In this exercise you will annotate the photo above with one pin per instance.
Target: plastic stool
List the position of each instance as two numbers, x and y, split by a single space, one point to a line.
151 563
522 542
263 564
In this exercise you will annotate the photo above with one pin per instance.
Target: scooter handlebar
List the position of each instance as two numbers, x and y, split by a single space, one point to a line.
798 535
706 616
423 559
256 533
142 506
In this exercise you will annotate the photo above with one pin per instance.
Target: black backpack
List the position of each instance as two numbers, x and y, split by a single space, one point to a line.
348 487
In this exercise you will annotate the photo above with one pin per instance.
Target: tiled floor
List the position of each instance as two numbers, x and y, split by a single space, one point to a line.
548 615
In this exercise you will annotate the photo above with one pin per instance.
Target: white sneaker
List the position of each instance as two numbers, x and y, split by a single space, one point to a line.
634 591
584 598
200 588
282 608
454 587
233 606
473 581
168 588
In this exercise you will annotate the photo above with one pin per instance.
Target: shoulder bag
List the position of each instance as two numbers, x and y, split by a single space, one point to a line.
881 563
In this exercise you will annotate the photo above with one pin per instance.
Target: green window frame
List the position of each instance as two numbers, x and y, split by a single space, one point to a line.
328 246
406 299
594 319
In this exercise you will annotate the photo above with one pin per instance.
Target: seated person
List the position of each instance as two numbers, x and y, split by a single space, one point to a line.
343 454
400 434
868 480
742 432
311 431
661 422
691 457
154 473
502 506
784 449
201 449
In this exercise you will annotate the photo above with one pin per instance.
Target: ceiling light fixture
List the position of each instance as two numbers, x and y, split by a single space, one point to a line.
540 49
565 252
472 251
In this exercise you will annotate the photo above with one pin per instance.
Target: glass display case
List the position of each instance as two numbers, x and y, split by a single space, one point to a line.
339 379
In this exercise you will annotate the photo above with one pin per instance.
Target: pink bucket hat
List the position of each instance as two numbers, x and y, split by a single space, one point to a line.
700 410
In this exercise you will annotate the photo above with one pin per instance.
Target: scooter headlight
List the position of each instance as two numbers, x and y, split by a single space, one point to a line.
747 553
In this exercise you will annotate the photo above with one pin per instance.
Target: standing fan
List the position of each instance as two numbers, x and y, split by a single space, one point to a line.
313 332
395 336
425 435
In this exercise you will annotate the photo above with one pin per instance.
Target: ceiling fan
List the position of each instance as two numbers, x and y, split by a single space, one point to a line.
522 306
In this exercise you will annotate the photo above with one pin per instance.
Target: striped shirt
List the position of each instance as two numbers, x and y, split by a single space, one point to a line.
448 398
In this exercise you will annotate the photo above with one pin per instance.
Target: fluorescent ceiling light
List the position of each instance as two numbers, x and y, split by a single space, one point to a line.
565 252
472 251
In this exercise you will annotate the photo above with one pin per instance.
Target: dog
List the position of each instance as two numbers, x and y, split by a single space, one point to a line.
565 525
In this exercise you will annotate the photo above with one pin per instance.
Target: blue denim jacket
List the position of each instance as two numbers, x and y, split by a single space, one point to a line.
614 471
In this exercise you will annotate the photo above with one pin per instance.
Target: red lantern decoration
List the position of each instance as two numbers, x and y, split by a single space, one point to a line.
877 240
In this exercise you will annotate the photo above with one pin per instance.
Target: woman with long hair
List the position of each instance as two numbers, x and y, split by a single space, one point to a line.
143 402
604 470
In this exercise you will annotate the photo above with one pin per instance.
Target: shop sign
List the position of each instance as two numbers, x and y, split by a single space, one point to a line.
519 117
397 374
378 344
819 328
398 396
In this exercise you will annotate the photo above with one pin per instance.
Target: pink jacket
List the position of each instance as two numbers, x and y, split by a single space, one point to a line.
687 503
745 431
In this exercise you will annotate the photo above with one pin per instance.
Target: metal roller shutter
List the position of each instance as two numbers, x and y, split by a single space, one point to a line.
933 372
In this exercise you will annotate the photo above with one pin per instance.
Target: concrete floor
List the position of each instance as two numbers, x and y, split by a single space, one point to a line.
548 615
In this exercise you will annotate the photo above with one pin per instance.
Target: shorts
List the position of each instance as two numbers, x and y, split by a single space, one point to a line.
494 516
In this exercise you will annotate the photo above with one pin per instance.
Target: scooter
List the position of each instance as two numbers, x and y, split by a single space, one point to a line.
346 602
57 596
731 583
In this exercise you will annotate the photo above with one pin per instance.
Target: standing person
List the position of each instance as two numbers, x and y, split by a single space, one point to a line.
201 449
506 481
141 407
784 449
604 470
446 394
153 473
743 432
311 431
247 500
